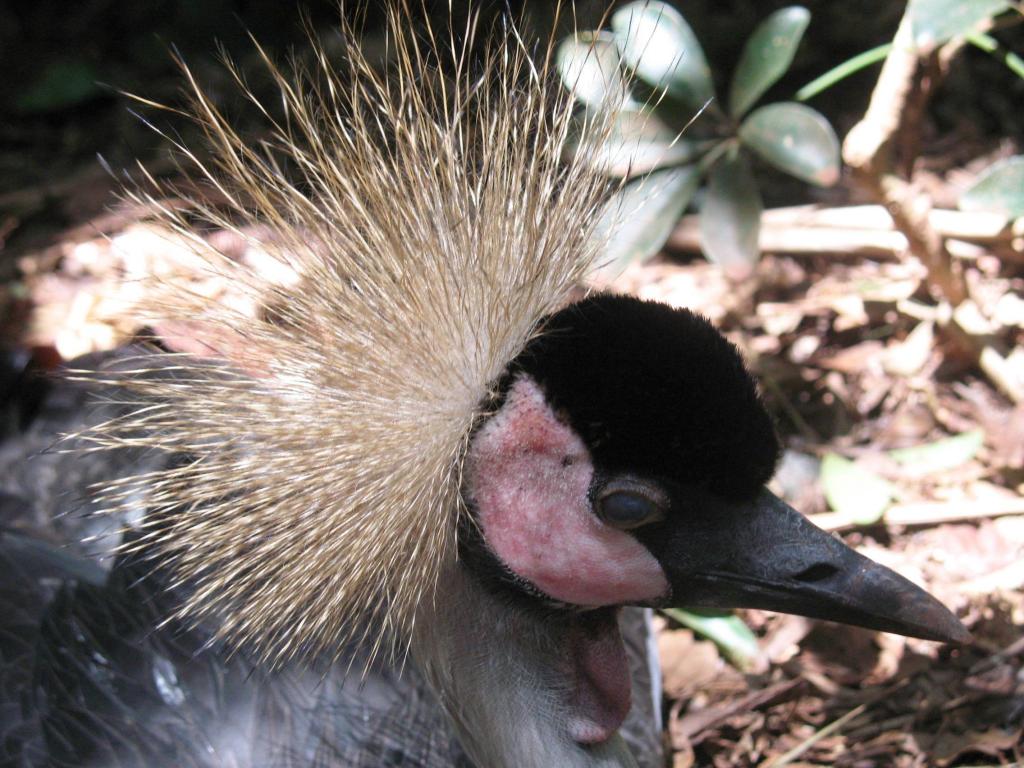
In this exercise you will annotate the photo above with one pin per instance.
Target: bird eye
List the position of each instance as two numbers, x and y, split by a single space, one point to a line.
629 505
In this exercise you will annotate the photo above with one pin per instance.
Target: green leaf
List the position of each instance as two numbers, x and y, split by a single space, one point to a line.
730 219
936 21
766 56
854 492
942 455
733 638
638 220
656 43
589 67
61 84
636 143
795 139
1000 187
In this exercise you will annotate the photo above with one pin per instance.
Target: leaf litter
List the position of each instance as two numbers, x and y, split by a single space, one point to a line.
862 372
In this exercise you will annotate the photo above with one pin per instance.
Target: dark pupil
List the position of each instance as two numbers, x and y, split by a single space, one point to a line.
624 507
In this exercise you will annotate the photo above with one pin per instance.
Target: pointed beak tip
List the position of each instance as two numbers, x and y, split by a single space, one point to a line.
938 624
953 634
960 635
915 613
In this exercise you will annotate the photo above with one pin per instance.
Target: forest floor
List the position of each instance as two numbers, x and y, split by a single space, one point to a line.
854 365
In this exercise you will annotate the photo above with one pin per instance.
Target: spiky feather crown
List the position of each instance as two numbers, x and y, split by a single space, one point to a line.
432 222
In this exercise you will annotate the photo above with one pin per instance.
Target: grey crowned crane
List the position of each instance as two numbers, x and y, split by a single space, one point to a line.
395 517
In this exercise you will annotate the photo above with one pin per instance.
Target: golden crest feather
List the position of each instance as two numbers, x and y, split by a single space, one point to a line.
432 220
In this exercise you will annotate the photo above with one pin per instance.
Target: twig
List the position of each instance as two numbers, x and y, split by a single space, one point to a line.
866 230
929 513
873 729
693 724
978 226
828 730
869 151
1013 649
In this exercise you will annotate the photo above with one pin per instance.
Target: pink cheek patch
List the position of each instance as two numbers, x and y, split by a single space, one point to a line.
528 476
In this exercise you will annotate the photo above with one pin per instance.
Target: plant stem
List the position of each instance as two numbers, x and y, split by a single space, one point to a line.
842 71
989 44
869 151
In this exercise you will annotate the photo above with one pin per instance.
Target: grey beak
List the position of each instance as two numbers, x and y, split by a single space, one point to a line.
765 554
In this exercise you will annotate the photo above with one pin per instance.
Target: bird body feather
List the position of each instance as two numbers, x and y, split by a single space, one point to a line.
93 674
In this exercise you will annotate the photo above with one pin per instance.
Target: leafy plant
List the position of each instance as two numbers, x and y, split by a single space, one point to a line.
1000 187
670 135
934 22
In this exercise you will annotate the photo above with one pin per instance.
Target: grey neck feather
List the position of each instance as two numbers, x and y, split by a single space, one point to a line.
492 668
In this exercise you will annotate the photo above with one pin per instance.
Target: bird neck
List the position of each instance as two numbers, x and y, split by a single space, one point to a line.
506 678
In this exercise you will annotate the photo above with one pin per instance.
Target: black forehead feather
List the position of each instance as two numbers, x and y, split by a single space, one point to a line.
656 391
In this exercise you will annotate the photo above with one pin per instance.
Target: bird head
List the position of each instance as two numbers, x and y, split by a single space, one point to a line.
625 462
